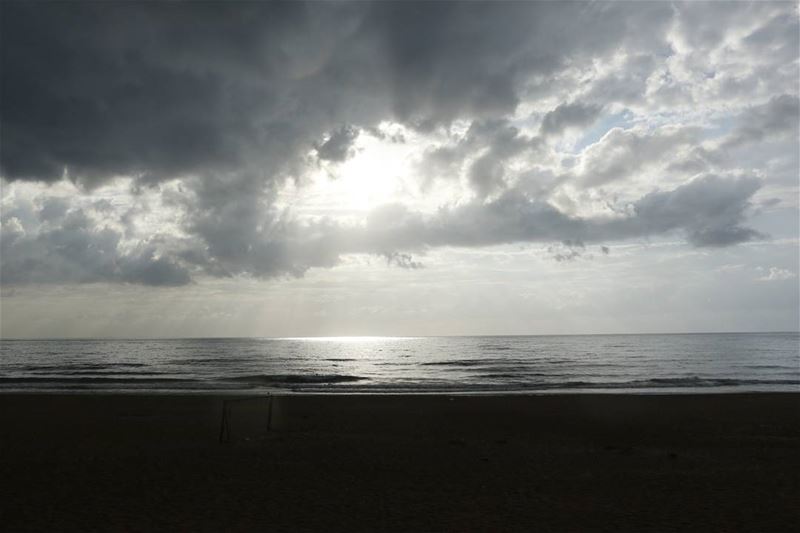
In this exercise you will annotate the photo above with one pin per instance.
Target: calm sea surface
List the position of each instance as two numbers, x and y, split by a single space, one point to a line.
597 363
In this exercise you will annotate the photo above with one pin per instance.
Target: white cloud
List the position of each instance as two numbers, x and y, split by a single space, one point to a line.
777 274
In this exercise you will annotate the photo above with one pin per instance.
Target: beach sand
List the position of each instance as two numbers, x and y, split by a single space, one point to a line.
401 463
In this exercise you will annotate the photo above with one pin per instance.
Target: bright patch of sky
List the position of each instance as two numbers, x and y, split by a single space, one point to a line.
623 119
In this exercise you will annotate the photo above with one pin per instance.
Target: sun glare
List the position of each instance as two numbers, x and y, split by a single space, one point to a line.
378 171
354 338
373 176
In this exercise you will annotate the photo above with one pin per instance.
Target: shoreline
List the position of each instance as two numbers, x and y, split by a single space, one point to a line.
336 462
665 391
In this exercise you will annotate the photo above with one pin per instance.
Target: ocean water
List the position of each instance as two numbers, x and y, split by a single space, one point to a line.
729 362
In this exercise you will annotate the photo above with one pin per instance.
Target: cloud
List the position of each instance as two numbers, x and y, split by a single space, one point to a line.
337 147
621 154
405 261
710 209
487 173
233 236
71 248
569 115
481 155
567 251
163 90
777 274
214 107
780 116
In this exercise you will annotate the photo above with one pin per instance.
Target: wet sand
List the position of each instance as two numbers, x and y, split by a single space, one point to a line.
400 463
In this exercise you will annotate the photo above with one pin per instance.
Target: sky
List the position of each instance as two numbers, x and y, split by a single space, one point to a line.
398 168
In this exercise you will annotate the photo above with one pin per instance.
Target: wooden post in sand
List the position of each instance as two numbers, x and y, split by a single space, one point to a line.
225 427
269 413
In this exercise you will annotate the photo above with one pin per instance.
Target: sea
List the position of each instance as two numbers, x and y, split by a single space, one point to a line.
674 363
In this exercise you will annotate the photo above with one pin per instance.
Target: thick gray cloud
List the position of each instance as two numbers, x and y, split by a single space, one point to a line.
778 117
710 210
569 115
494 142
161 90
68 247
165 89
234 100
338 146
500 141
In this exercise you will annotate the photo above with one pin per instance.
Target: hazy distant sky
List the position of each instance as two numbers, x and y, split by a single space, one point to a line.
334 168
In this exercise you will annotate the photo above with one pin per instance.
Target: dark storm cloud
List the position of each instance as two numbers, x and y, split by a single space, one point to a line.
231 98
160 90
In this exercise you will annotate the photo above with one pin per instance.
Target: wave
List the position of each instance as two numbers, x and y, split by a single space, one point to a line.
487 383
277 379
480 362
99 373
695 381
512 385
691 382
78 366
465 364
209 361
769 367
494 347
89 380
515 376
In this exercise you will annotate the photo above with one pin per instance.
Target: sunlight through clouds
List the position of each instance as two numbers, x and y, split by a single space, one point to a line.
327 142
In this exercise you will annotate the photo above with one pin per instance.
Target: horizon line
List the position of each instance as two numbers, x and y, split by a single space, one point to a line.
365 337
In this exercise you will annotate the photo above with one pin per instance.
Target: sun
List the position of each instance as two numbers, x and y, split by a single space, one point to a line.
378 171
373 176
383 167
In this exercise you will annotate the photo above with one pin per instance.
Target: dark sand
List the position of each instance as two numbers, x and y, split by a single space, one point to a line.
410 463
